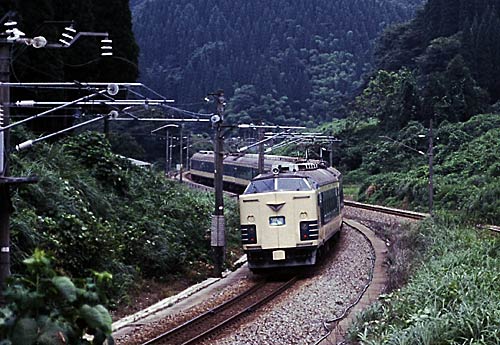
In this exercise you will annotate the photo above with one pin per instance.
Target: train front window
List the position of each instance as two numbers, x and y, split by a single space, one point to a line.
278 185
260 186
292 184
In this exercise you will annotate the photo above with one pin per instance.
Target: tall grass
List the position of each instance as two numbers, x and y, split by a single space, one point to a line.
453 297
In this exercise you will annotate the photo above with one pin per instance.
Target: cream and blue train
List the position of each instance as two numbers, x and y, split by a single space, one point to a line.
289 215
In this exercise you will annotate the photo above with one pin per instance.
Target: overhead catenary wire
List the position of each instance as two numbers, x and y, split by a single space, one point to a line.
101 92
187 112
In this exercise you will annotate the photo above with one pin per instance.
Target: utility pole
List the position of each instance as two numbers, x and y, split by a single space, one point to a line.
431 169
261 150
217 238
166 153
5 201
188 142
10 36
170 147
106 128
6 181
181 159
331 150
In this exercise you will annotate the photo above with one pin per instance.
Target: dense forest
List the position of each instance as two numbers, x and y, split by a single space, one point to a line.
440 65
287 62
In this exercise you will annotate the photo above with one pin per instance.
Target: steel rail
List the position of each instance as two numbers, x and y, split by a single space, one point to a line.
387 210
224 306
407 214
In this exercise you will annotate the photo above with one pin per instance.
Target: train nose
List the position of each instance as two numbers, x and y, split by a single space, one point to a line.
275 206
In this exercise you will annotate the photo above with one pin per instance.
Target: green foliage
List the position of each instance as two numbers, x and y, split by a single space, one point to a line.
391 97
453 298
466 168
450 46
283 62
93 210
42 307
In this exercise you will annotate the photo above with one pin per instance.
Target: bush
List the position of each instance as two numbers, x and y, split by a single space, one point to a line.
453 298
42 307
94 210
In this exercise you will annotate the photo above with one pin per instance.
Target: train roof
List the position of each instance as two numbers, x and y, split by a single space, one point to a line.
247 159
321 175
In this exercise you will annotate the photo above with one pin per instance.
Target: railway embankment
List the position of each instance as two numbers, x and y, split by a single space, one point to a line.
443 286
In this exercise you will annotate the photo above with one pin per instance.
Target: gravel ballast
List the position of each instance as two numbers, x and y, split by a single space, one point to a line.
299 315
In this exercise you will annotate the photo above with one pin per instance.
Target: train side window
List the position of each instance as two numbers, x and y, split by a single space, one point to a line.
207 166
329 205
195 165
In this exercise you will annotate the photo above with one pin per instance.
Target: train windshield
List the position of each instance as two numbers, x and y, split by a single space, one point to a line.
278 185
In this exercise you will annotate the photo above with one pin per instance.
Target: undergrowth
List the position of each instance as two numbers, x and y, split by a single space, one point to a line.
93 210
453 297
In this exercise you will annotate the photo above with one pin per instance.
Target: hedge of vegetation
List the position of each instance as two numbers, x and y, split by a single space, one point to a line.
93 210
43 307
466 167
453 296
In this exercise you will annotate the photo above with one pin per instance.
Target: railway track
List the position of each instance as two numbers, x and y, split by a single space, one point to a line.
387 210
216 319
407 214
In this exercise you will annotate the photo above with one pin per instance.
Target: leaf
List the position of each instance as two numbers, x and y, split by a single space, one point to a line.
55 332
96 317
106 318
66 287
25 332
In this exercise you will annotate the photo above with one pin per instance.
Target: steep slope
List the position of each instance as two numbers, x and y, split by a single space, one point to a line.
296 59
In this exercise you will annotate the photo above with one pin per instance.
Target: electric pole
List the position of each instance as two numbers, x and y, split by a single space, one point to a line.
331 151
261 150
5 201
181 158
431 169
6 181
217 238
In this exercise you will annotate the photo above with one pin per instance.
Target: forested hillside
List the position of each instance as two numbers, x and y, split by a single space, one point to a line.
283 61
443 65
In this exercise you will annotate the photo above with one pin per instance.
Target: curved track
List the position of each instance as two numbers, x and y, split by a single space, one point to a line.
217 318
387 210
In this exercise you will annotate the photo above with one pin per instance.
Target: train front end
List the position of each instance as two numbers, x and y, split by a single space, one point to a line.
279 221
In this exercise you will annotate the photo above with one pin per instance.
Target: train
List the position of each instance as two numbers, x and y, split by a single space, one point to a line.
239 168
289 215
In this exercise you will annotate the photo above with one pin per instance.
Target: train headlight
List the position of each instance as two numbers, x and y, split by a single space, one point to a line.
309 230
248 234
304 231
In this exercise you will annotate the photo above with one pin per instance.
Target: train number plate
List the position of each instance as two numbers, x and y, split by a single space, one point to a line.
279 255
277 221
